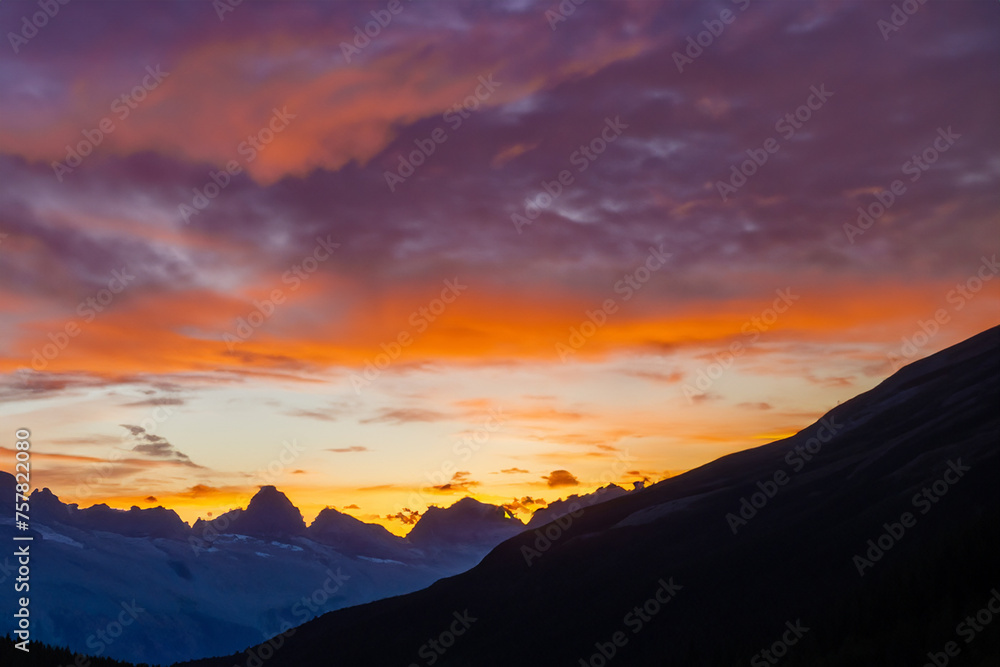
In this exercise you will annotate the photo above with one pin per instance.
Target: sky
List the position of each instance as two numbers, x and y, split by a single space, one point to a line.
386 255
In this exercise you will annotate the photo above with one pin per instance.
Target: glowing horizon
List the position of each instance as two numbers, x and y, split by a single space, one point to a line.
349 258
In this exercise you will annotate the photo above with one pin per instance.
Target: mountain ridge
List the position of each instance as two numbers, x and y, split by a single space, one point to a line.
194 581
851 477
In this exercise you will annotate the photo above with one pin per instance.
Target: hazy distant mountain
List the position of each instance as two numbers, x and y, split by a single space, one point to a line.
574 504
269 514
222 584
865 539
46 508
466 522
354 537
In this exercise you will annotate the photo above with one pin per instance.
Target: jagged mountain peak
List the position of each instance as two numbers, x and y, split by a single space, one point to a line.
271 513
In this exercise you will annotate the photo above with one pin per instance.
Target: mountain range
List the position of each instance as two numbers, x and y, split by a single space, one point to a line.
222 584
868 538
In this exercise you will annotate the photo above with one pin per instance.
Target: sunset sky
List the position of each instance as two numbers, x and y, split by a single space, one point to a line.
492 248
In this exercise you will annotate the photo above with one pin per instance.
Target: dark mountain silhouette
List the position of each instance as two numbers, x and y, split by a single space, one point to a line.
574 503
354 537
756 551
466 527
219 585
46 504
466 522
43 655
269 514
47 509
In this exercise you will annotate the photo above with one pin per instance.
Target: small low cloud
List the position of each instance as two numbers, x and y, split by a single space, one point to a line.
352 506
398 416
511 152
512 471
832 381
200 491
755 406
347 450
561 478
407 516
459 482
657 376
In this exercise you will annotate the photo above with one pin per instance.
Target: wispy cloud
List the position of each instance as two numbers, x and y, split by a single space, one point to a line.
405 416
323 415
157 402
156 446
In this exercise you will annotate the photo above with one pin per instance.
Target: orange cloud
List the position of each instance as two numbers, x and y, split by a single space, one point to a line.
183 331
511 152
558 478
342 112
